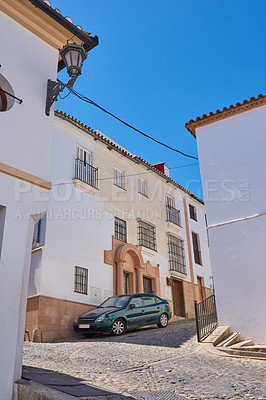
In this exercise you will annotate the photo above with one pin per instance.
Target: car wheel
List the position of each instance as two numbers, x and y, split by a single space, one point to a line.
119 327
163 321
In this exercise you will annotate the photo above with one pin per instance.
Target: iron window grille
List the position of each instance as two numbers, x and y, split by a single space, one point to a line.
176 251
81 280
193 212
119 178
173 215
147 235
120 229
86 173
196 248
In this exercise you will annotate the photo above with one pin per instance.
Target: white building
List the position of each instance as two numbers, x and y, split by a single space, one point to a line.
231 145
31 33
114 224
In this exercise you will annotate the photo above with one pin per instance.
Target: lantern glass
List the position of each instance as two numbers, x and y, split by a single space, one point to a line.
73 56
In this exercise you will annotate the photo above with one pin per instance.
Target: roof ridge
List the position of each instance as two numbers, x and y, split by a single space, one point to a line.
124 151
226 112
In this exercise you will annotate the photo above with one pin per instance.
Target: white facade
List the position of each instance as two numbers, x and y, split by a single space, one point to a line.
30 39
232 162
25 144
80 224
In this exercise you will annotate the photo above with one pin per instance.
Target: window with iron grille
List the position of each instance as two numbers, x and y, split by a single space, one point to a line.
196 248
193 212
84 170
119 178
120 229
176 250
81 280
143 187
146 235
172 214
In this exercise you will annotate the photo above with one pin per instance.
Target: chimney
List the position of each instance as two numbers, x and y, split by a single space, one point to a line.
162 168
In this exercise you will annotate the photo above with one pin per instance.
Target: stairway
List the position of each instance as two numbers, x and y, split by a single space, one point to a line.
230 343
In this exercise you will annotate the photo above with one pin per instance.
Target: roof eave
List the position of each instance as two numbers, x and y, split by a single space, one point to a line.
135 158
89 41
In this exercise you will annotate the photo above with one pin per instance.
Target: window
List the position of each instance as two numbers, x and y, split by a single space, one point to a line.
146 235
2 225
172 214
196 247
143 187
137 301
149 301
119 178
177 259
39 233
120 229
84 170
81 280
84 155
193 212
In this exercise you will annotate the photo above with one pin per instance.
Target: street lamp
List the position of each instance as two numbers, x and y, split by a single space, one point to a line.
73 56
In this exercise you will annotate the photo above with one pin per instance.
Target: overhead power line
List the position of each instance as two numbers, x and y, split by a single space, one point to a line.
87 100
128 175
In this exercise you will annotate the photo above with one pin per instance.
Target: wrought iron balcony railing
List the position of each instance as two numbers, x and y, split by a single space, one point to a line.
86 173
173 215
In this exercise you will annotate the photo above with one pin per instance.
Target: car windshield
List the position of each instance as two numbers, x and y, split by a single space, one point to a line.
116 301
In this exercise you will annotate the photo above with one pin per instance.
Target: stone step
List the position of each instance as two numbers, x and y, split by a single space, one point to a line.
230 340
217 335
247 353
242 343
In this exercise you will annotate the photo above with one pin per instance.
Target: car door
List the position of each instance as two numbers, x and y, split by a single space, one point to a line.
152 310
135 316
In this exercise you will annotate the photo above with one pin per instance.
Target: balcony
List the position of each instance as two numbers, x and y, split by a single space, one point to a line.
86 174
173 215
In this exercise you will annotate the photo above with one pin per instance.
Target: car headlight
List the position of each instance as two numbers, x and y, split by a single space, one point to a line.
75 320
100 318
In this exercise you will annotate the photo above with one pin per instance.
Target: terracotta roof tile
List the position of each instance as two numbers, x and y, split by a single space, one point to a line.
107 140
226 112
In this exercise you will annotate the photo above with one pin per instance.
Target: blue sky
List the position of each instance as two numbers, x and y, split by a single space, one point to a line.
159 64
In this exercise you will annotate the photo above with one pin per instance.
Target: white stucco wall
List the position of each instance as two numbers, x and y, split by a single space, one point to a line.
232 161
80 225
25 143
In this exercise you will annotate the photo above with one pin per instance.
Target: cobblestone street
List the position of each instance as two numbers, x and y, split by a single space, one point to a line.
153 363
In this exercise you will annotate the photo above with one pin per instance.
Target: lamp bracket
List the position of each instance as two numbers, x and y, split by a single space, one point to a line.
53 90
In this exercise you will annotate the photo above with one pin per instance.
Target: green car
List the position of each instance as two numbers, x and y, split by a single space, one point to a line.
119 313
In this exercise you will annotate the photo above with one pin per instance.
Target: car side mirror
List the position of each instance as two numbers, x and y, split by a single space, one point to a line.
131 306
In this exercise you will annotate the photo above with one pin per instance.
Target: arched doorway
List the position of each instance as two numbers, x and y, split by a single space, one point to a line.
129 269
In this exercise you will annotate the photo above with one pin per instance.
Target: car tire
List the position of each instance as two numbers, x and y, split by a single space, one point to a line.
163 321
119 327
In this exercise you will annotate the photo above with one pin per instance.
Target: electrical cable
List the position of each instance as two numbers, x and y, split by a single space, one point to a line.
87 100
125 176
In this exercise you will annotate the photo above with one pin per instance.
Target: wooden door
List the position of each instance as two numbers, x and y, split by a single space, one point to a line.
147 285
179 309
201 289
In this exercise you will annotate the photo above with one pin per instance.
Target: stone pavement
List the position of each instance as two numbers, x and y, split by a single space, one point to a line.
152 363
